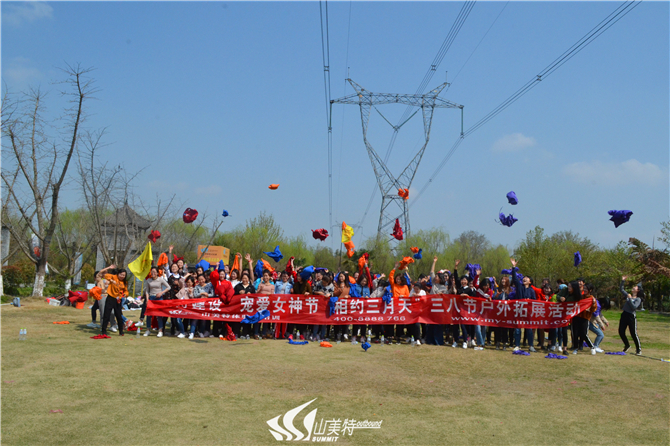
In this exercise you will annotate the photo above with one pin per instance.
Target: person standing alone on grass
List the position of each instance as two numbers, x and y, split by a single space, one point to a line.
629 317
115 292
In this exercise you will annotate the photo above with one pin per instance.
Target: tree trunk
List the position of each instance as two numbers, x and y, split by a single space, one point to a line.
40 279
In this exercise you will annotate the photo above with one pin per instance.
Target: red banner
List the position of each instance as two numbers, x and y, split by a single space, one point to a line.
431 309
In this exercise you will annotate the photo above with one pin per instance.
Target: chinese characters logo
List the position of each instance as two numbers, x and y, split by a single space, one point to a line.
327 430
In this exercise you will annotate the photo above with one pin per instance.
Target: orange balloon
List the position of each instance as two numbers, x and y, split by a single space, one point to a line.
273 186
414 249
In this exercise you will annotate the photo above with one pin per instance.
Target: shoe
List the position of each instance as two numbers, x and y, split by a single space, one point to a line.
92 325
560 349
122 334
250 337
211 336
221 337
418 342
146 333
516 349
201 335
574 352
465 345
553 348
114 329
504 348
600 350
181 335
625 349
497 345
207 334
454 345
190 336
479 348
160 334
638 353
257 337
532 349
139 324
593 351
346 338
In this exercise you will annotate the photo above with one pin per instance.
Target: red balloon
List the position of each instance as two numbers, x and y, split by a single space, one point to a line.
397 230
190 215
320 234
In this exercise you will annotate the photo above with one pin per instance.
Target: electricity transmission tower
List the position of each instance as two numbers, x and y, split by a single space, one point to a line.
389 184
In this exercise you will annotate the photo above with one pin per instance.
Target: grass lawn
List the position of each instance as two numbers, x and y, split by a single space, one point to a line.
173 391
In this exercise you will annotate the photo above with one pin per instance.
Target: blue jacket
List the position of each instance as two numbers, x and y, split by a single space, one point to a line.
283 288
521 291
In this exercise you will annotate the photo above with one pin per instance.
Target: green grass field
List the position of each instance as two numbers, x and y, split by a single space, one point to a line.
171 391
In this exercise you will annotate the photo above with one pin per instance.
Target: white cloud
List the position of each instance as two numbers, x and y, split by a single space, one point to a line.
212 189
612 174
17 14
513 143
19 73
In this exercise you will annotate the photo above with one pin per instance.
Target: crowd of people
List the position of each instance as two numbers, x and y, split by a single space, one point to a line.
175 280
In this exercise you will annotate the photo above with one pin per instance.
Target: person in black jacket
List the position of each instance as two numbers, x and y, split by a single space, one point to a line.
523 291
628 316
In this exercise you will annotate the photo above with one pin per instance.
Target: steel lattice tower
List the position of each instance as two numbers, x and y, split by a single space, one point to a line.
388 184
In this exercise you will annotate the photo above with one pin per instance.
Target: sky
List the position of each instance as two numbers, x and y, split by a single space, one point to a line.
217 100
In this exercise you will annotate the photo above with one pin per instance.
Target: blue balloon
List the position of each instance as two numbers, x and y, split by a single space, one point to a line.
275 255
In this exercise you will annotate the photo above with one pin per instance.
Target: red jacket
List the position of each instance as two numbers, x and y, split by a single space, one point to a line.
224 291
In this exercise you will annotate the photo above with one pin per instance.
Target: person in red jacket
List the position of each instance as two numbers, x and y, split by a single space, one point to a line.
223 289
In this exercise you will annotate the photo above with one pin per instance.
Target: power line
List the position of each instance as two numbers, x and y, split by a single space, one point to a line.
325 53
344 92
437 60
480 42
568 54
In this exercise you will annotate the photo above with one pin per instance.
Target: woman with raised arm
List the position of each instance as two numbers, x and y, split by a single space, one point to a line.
523 291
452 288
435 332
629 317
116 290
99 305
400 283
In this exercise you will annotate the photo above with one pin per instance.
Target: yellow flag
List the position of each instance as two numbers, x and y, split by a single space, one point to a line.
141 266
347 233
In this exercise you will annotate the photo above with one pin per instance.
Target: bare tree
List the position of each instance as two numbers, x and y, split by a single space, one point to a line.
108 196
37 162
74 237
